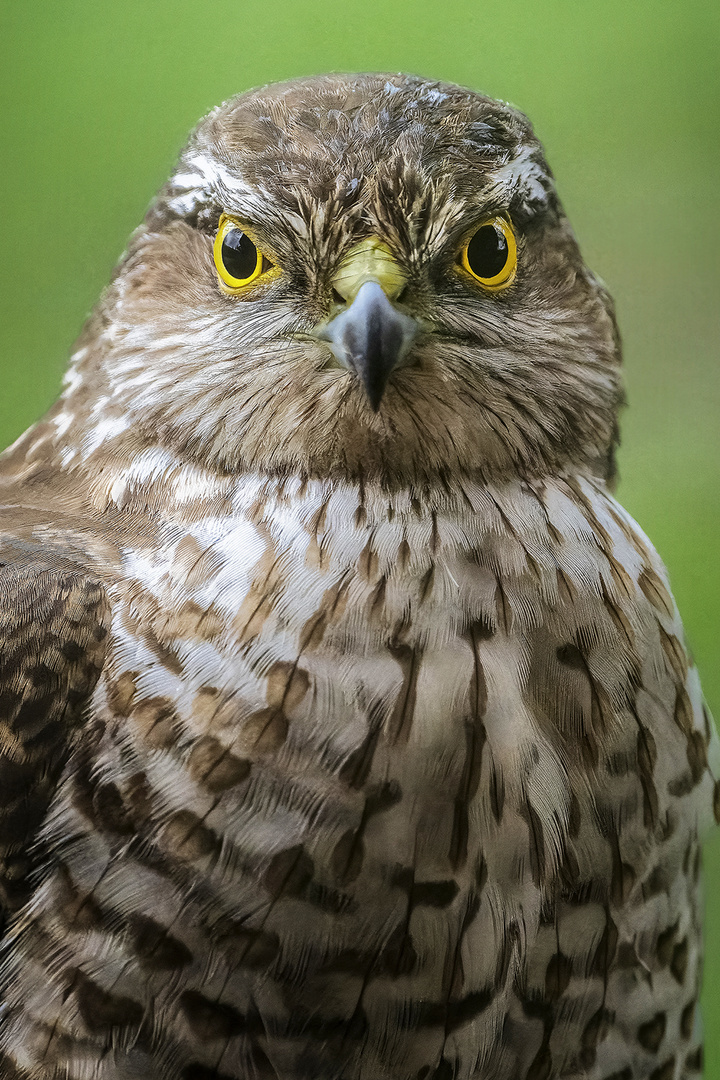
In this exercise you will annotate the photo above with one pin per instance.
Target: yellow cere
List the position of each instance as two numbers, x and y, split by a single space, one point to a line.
369 260
490 254
238 260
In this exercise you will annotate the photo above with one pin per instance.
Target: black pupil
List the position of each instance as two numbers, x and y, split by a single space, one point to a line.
487 252
239 254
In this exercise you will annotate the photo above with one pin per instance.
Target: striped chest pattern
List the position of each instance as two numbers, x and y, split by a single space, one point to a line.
375 788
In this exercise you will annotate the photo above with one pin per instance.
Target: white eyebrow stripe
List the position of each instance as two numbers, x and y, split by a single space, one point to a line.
203 179
187 181
522 173
215 175
184 205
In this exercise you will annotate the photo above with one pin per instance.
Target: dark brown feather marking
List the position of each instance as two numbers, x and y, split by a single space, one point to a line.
157 720
687 1020
187 838
678 964
537 843
121 693
675 654
623 876
215 767
475 737
195 1071
264 732
605 951
654 589
646 758
249 947
557 976
289 872
664 1072
348 854
102 1011
77 910
287 685
666 944
652 1033
11 1072
594 1032
542 1065
208 1020
155 947
694 1061
503 610
355 770
400 722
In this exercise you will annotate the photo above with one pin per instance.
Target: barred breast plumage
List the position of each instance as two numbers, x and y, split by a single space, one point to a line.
352 770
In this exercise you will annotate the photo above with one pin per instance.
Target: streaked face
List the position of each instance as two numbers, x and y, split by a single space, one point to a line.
364 275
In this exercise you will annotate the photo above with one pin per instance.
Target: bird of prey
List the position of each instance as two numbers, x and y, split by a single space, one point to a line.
347 728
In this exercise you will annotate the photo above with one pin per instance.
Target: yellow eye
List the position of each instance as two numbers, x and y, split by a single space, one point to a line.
490 254
238 260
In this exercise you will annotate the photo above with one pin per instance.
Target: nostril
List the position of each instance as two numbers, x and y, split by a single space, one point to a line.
401 296
337 298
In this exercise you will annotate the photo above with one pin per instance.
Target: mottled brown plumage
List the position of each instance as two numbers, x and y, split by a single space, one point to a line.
343 737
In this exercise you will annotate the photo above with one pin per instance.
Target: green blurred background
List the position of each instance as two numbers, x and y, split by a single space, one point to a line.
97 98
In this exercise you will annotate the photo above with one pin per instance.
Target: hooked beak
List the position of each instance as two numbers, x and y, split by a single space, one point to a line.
370 337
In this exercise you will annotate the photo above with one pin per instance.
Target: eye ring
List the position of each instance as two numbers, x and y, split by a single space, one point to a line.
491 248
238 260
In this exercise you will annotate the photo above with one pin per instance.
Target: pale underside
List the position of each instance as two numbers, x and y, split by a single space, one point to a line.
371 787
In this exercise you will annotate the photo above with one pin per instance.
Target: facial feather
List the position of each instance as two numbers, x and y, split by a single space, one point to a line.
525 380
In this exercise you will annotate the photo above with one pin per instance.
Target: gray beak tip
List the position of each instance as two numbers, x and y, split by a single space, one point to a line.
371 337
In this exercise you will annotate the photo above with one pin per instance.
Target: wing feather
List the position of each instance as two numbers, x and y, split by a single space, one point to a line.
53 631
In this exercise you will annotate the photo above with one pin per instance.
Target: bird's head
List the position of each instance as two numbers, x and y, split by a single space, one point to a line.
362 275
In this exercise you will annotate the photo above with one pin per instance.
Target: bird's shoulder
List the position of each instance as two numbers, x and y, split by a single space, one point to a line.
54 621
677 741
